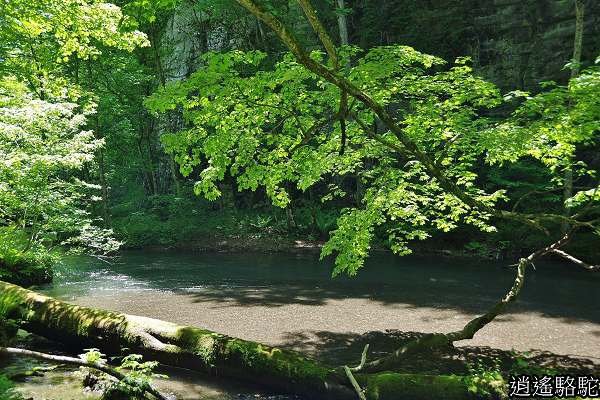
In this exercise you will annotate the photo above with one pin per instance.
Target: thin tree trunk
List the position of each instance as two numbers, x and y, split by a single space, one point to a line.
149 126
261 31
173 169
575 67
342 22
102 177
147 179
104 188
100 155
155 53
578 41
289 215
162 78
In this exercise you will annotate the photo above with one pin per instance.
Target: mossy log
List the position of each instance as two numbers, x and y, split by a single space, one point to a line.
391 385
209 352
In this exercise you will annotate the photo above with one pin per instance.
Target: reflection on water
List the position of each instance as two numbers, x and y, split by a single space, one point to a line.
553 289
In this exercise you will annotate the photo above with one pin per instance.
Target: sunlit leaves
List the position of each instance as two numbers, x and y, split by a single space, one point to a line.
42 38
78 27
41 145
275 126
550 125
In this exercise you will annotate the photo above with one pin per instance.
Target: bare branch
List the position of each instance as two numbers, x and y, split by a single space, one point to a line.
437 340
308 134
320 30
81 363
526 195
363 359
359 391
577 261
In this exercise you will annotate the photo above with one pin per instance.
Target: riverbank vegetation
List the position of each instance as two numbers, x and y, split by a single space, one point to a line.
272 123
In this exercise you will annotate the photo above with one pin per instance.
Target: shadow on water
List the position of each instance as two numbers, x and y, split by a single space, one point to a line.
346 348
552 290
224 281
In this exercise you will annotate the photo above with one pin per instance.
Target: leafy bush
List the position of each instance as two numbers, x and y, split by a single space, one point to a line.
7 391
486 381
138 376
167 220
23 262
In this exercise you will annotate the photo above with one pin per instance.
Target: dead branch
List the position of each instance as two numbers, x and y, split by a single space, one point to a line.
437 340
81 363
577 261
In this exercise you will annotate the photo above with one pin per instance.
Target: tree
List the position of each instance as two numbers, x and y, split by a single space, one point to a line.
43 201
47 37
422 123
575 67
47 145
203 351
342 22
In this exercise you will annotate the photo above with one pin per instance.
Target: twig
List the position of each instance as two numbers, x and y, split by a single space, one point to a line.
355 385
363 359
577 261
82 363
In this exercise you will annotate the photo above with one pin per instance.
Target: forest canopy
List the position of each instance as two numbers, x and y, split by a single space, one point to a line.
269 127
346 126
286 135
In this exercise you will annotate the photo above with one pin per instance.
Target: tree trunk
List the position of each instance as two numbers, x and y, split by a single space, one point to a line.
104 188
578 40
209 352
575 67
173 169
342 22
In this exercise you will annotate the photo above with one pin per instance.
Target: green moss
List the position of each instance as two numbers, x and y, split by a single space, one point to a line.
69 320
276 362
233 356
393 386
200 342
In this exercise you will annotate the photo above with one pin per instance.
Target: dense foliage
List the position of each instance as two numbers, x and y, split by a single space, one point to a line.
46 144
183 123
271 127
233 118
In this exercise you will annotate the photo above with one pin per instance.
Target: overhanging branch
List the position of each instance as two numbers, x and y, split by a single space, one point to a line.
409 148
437 340
577 261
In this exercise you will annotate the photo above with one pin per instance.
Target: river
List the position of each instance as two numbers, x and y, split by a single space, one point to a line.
291 300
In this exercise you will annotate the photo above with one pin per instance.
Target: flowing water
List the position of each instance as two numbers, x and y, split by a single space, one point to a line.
291 300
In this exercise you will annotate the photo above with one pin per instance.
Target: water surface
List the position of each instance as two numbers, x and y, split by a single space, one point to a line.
291 300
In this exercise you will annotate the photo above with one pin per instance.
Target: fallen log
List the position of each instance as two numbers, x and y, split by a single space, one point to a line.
209 352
